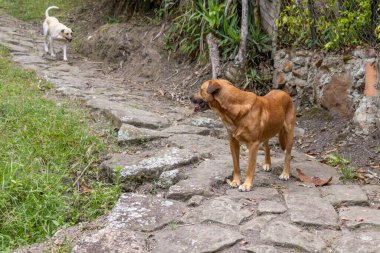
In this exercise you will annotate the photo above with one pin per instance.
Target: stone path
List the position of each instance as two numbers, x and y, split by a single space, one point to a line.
187 157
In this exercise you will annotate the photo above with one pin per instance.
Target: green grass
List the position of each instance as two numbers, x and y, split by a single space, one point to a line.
35 9
42 148
348 173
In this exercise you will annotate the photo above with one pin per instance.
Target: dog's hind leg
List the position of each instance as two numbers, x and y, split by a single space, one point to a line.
64 52
46 42
267 163
235 152
51 46
288 135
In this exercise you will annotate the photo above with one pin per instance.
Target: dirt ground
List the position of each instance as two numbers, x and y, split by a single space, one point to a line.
135 52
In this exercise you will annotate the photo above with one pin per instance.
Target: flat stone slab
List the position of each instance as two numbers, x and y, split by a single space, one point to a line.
257 223
129 134
357 216
359 242
257 194
315 169
202 144
260 249
220 209
144 212
311 211
195 239
339 195
202 178
186 129
111 240
132 167
285 234
204 122
129 115
271 207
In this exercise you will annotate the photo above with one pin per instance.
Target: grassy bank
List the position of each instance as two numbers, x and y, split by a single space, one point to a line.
35 9
44 147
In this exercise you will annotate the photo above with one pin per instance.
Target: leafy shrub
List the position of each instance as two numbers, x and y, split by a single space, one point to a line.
338 23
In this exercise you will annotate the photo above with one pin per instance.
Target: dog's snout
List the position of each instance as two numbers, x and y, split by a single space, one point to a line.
192 99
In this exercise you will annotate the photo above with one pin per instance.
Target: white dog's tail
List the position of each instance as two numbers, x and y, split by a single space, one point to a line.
49 8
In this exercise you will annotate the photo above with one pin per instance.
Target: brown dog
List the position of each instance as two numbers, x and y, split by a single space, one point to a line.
250 119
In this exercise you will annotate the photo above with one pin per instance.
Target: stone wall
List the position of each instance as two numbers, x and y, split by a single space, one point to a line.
336 82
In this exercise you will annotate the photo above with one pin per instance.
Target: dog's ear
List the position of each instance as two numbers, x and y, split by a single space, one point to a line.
213 87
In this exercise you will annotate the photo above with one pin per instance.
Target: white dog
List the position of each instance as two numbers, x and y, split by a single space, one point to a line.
54 30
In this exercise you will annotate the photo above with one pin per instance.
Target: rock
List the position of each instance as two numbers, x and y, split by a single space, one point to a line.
335 95
119 114
314 168
368 113
270 207
296 82
168 178
198 143
132 167
201 179
359 242
287 67
279 80
357 216
186 129
260 249
299 60
195 239
257 223
204 122
311 211
301 73
129 134
373 193
280 232
144 212
195 201
299 132
221 209
257 194
111 240
339 195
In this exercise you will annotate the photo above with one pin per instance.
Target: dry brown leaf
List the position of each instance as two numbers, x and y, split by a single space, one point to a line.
317 181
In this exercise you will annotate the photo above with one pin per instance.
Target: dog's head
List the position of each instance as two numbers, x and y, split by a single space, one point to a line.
206 96
67 34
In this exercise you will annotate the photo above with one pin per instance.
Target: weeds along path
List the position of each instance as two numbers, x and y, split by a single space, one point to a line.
176 163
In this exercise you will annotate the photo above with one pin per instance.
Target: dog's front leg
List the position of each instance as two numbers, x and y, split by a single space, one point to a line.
64 52
250 174
235 152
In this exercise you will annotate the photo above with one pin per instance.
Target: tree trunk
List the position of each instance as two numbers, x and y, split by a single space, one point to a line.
374 19
241 56
313 28
214 55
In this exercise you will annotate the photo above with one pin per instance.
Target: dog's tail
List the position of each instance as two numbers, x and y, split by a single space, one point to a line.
282 139
48 9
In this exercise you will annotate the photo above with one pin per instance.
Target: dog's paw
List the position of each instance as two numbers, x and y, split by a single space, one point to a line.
284 176
266 167
245 187
233 183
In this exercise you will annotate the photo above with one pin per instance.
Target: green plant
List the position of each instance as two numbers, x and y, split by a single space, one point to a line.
377 150
337 160
348 173
43 147
337 23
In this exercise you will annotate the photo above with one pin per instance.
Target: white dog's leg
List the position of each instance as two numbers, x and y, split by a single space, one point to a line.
51 47
64 52
46 38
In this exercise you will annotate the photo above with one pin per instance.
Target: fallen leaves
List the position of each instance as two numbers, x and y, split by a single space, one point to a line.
317 181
